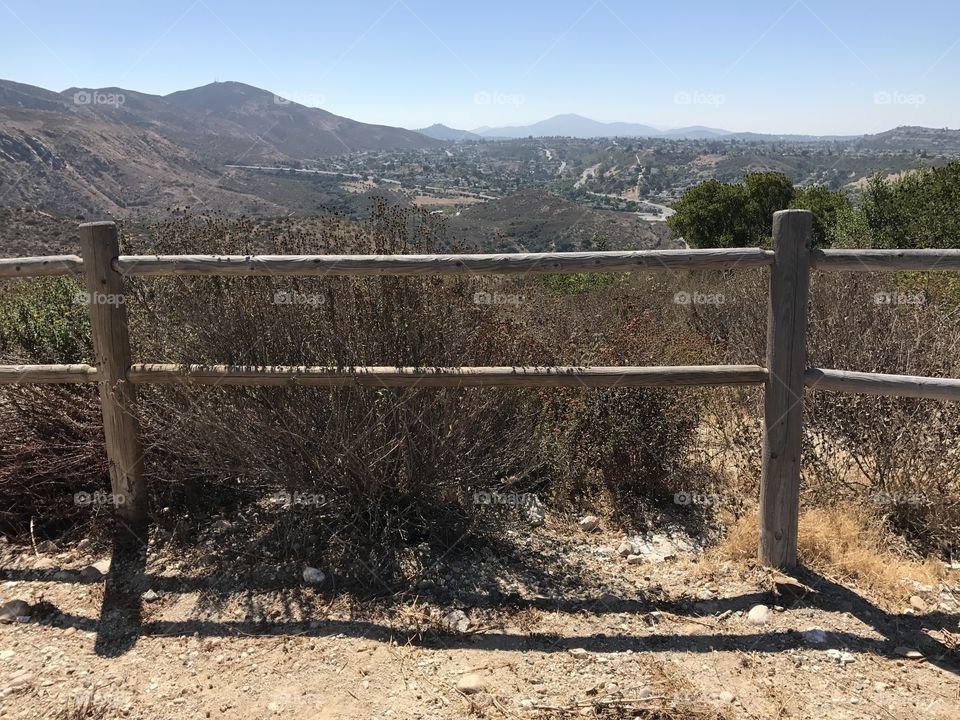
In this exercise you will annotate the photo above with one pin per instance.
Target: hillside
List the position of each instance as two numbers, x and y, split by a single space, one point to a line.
117 151
536 220
439 131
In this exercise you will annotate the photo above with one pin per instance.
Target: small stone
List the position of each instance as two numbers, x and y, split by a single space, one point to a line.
6 654
47 546
815 635
759 615
95 572
790 589
150 596
579 653
918 603
644 692
844 658
536 512
471 683
313 576
589 523
457 621
625 549
14 609
635 559
727 697
909 653
19 680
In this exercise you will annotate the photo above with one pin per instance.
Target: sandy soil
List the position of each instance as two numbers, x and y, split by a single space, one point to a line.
560 626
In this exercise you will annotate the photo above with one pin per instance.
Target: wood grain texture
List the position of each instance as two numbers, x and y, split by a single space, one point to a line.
509 263
45 374
111 347
40 266
449 376
864 383
885 260
783 399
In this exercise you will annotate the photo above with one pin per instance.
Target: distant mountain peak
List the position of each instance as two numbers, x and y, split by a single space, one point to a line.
439 131
574 125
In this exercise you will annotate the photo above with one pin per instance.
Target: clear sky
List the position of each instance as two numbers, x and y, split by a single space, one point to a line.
804 66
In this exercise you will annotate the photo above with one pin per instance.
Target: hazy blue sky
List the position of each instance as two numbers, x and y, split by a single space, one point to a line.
812 66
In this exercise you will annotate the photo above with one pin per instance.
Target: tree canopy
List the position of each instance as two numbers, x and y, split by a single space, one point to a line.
716 215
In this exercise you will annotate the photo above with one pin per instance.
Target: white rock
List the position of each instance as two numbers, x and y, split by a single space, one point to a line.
635 559
727 696
6 654
625 549
457 621
536 512
150 596
589 523
759 615
815 635
471 683
909 653
844 658
313 576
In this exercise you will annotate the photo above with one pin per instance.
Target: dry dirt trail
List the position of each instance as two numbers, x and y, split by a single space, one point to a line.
565 626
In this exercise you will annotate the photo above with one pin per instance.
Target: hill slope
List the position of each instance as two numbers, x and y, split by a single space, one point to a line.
537 221
438 131
113 150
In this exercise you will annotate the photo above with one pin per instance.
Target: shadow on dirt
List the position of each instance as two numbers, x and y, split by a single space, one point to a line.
304 613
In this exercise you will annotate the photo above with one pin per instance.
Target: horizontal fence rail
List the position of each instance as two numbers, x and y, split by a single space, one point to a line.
512 263
41 266
571 376
866 383
387 376
402 265
884 260
104 271
43 374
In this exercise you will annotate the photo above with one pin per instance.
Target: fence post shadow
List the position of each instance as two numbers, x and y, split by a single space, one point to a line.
121 613
888 625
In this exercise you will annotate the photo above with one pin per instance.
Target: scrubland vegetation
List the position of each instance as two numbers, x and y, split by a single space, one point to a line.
389 469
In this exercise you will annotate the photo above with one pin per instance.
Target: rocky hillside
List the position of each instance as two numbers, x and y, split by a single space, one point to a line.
115 151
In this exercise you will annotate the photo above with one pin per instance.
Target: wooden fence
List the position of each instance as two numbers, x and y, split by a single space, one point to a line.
784 378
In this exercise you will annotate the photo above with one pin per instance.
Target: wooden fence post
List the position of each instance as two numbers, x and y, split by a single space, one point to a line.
111 347
783 397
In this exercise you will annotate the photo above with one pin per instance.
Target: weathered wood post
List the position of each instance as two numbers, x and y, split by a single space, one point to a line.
783 397
111 347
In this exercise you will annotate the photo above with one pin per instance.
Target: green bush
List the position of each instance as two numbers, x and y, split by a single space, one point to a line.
44 321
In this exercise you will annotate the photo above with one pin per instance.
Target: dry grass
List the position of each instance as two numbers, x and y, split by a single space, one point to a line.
86 708
844 546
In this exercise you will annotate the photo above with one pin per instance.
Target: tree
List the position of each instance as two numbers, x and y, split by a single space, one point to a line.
766 193
828 209
711 215
716 214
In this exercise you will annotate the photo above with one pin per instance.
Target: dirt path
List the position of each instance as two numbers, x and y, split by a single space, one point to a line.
565 628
